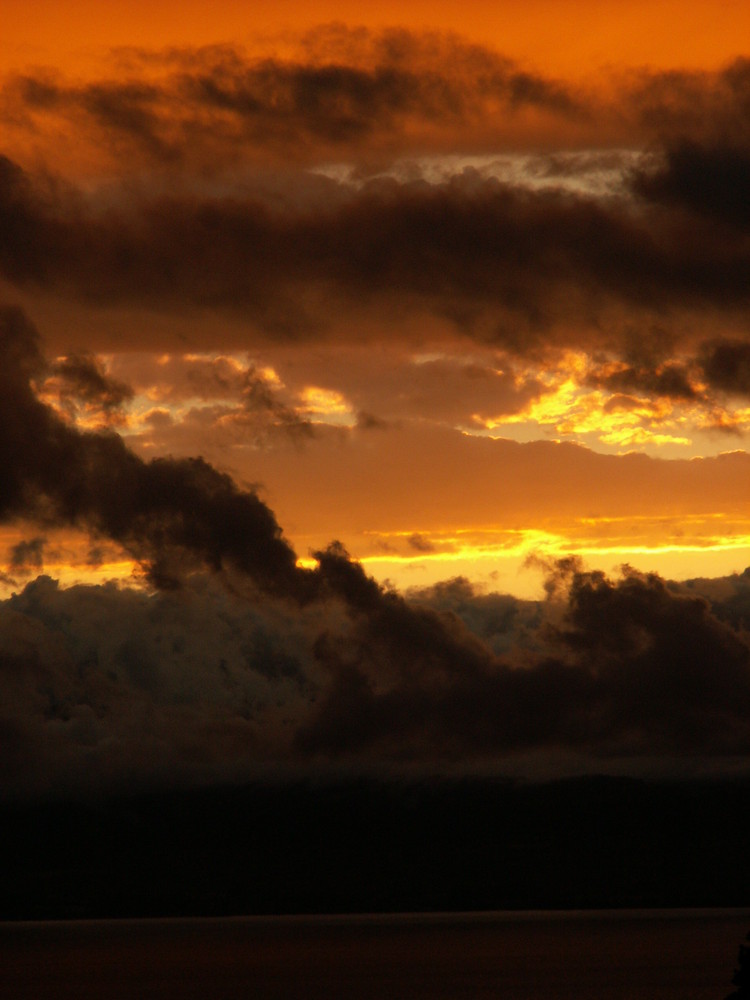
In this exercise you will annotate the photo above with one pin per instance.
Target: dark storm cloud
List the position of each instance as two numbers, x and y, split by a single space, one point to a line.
701 163
665 660
500 263
730 598
713 181
707 107
726 365
632 668
672 380
109 687
218 99
28 554
168 514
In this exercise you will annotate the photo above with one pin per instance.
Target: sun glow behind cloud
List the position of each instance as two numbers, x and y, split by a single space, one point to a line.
617 419
227 405
514 560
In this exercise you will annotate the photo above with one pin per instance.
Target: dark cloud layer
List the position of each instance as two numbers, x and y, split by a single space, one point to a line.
112 687
713 181
354 95
671 379
632 668
297 256
727 366
512 267
694 106
362 92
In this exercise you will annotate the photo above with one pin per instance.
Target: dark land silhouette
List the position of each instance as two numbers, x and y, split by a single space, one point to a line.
367 845
741 977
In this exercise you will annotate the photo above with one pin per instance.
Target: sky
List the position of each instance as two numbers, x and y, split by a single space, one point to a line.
375 389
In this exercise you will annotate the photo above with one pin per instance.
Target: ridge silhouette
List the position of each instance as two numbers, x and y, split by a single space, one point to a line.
741 977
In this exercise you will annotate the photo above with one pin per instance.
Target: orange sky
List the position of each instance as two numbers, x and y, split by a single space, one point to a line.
572 38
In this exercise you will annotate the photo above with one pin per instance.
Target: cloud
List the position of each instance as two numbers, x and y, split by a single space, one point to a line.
397 384
215 678
504 623
712 181
699 106
726 365
106 686
291 255
84 376
359 97
419 543
517 268
348 90
671 379
28 554
325 664
168 514
80 387
414 478
633 669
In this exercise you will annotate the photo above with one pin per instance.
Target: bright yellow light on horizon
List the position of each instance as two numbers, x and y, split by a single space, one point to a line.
494 559
502 560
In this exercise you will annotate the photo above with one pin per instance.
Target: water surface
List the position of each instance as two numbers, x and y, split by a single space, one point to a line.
595 955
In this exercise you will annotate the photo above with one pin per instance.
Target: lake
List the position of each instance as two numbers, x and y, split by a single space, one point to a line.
602 955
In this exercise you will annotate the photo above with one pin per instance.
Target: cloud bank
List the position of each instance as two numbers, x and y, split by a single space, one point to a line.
234 658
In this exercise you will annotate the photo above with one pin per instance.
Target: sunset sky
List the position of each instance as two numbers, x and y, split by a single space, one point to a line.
360 352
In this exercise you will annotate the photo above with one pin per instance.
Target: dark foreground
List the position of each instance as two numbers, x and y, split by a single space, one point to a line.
367 846
677 955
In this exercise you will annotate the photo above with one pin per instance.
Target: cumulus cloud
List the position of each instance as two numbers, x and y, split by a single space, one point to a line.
109 686
167 513
105 686
632 669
